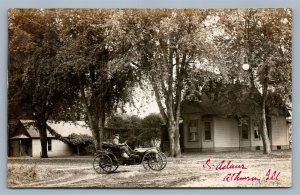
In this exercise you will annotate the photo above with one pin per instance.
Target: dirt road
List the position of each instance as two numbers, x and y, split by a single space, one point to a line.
234 169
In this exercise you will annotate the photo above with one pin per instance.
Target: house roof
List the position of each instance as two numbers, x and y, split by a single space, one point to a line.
67 128
231 99
22 136
64 128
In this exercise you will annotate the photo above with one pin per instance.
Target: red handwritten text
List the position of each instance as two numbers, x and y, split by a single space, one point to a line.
272 175
238 177
223 165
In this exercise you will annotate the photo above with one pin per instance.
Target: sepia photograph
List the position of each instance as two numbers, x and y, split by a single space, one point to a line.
149 98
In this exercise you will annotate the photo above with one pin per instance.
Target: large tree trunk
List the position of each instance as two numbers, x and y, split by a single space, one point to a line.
100 137
174 138
171 112
265 137
101 126
177 140
171 131
43 138
93 121
96 137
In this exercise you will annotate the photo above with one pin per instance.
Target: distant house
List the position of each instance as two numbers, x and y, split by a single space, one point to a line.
206 129
25 139
216 124
212 124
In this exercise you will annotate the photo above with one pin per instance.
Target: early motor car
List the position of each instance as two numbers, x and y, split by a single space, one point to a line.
110 158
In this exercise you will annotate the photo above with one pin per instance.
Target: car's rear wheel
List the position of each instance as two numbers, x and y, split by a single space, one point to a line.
103 163
115 163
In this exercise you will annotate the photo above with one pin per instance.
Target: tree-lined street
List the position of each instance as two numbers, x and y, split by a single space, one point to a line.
70 64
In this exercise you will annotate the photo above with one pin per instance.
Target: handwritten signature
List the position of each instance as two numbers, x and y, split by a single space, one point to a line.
239 175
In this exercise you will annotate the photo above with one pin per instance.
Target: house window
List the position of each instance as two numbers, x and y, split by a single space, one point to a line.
245 129
207 131
49 145
193 130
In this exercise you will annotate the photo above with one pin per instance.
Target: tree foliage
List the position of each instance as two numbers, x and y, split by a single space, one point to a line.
65 64
36 88
169 43
143 131
261 38
124 121
265 37
152 121
96 62
78 139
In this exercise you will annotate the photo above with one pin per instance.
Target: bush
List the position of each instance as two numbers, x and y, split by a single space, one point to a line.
83 144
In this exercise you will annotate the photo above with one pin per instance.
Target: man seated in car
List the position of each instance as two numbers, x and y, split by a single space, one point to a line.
123 146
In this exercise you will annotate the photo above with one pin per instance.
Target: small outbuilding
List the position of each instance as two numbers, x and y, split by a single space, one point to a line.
25 140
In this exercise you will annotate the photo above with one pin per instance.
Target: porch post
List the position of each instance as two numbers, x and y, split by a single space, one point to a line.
20 147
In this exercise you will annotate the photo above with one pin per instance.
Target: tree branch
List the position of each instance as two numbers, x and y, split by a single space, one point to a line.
86 106
57 135
136 64
180 71
159 100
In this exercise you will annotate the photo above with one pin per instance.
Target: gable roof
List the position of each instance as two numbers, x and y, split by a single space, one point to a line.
21 136
64 128
67 128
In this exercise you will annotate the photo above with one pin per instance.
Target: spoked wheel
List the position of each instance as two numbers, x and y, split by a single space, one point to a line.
165 160
153 160
115 163
103 163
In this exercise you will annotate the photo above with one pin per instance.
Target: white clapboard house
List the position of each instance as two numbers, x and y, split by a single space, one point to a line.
212 125
25 140
205 129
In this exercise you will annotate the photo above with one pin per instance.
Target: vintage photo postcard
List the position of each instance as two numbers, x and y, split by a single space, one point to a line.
149 98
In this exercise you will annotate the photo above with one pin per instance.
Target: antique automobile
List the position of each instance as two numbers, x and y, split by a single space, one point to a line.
110 158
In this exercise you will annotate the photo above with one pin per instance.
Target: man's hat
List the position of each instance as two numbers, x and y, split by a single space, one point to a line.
117 135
